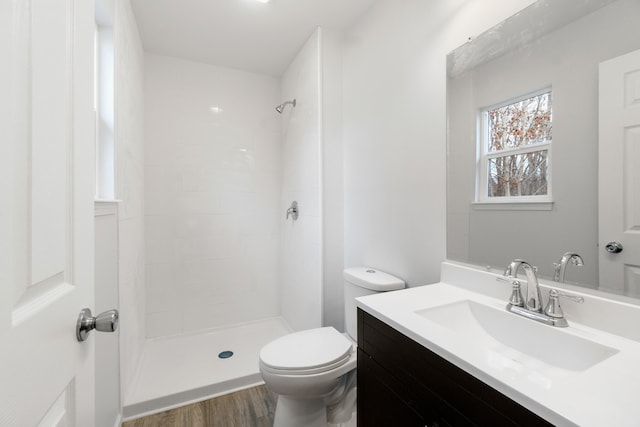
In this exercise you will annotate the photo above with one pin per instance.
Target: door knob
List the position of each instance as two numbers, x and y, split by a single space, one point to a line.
103 322
614 247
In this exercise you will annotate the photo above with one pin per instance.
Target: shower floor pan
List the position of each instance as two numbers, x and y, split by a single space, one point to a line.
182 369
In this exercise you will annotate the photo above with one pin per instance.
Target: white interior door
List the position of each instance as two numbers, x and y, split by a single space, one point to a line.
46 217
619 174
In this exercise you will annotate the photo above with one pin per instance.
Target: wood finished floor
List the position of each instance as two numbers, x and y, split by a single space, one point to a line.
253 407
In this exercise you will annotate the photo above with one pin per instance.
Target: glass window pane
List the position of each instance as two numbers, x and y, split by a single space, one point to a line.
518 175
519 124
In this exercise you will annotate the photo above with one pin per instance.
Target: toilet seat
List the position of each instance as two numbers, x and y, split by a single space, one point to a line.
307 352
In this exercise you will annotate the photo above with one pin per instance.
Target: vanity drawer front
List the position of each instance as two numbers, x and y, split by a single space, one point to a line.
424 373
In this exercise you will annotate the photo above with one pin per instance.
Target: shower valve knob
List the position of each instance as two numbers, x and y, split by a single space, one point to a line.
293 211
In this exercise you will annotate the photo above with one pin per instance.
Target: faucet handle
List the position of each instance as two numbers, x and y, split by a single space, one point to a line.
516 295
553 308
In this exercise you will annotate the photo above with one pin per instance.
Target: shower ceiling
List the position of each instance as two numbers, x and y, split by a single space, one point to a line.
244 34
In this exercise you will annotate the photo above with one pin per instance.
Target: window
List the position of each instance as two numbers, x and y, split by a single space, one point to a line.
515 151
104 105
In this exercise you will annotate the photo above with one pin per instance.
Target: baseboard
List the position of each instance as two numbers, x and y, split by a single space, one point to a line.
164 403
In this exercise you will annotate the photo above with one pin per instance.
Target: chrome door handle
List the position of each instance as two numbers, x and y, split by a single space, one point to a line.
614 247
103 322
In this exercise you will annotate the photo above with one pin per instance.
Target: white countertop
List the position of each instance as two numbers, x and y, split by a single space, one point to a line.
605 394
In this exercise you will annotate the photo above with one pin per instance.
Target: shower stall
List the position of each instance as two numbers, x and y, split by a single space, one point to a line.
226 269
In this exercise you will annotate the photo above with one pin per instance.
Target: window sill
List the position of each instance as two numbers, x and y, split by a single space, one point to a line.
106 201
512 206
105 207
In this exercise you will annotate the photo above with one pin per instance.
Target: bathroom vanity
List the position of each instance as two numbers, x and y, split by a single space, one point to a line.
450 354
403 383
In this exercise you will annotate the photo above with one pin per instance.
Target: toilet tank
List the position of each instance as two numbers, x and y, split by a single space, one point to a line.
361 281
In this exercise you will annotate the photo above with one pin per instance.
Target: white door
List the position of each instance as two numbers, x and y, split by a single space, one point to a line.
46 211
619 174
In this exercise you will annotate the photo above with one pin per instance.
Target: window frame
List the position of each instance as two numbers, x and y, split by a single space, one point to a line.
104 106
483 156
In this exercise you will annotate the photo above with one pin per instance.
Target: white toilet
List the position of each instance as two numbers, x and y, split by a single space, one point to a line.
313 371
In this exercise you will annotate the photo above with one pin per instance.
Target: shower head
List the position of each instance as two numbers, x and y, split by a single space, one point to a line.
280 107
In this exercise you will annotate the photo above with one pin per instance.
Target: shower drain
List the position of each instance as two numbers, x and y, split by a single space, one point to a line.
225 354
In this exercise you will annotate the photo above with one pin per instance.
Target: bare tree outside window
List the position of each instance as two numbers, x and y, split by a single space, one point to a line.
517 147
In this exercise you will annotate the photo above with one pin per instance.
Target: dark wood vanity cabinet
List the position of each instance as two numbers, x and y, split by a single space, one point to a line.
402 383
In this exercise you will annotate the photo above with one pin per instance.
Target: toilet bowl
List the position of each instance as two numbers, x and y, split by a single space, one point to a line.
308 363
308 370
314 371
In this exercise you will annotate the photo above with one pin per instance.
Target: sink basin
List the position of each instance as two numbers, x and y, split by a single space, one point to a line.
520 338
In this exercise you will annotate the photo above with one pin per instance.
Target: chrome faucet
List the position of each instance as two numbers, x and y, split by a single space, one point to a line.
531 307
533 301
561 266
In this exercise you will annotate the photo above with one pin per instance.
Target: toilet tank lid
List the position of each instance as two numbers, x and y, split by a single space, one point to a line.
373 279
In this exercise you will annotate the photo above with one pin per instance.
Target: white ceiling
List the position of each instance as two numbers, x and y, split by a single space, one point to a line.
243 34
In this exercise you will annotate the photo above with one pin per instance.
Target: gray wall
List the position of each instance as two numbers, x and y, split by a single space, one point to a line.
394 125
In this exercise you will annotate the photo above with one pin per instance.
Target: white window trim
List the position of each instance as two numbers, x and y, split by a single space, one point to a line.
483 201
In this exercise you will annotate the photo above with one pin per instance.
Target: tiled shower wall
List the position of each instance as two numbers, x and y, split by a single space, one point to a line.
300 250
212 165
